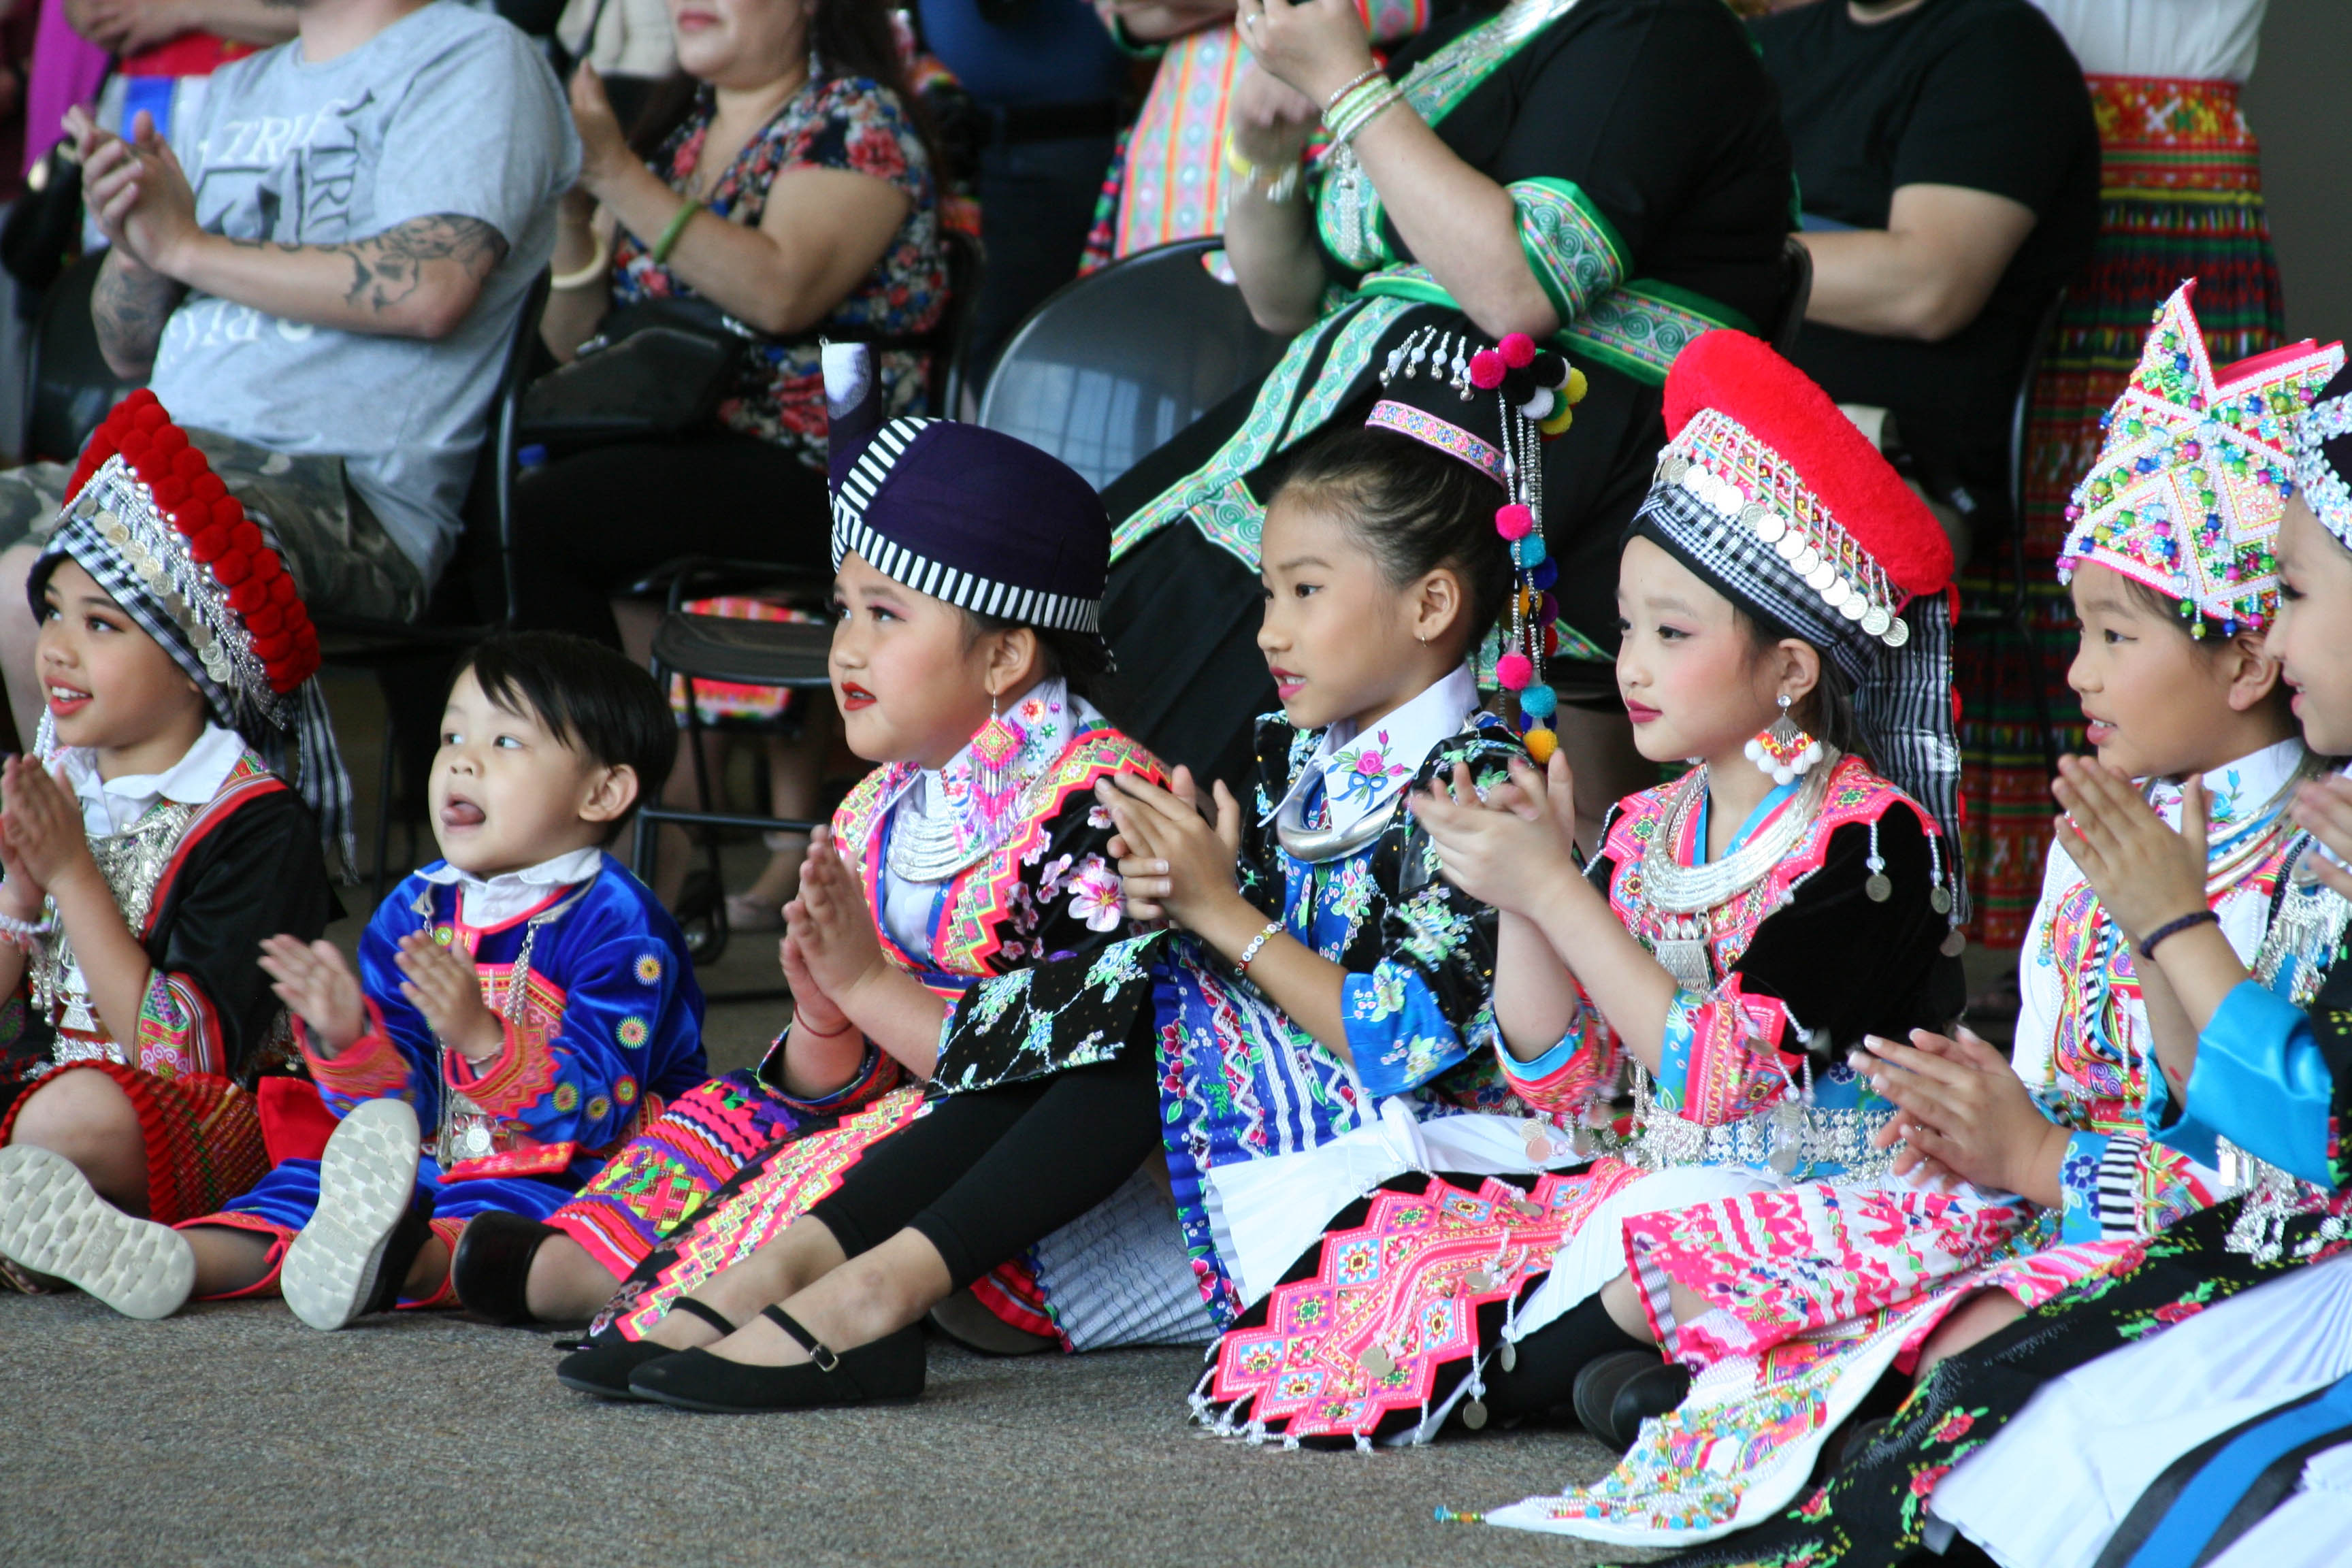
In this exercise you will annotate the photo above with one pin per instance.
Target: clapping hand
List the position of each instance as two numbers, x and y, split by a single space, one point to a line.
1173 864
136 191
1963 1115
811 1006
830 927
1512 849
2146 875
42 838
442 984
319 987
1316 46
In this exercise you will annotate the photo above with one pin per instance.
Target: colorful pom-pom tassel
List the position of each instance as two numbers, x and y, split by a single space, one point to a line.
1517 348
1514 670
1486 369
1541 744
1557 422
1528 552
1539 701
1515 522
1577 385
1538 405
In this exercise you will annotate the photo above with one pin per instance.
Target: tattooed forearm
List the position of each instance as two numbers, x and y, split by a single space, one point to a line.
129 307
387 271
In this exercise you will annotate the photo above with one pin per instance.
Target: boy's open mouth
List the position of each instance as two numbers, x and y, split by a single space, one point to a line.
459 812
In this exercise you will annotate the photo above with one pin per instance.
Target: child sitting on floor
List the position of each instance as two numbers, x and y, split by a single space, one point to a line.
175 656
522 1005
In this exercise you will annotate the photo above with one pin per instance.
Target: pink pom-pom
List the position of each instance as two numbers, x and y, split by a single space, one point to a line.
1515 670
1486 370
1517 348
1515 522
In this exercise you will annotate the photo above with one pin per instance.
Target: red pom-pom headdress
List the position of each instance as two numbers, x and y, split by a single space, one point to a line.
187 524
151 522
1768 492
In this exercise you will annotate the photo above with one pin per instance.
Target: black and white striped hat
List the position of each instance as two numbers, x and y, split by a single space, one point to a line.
986 522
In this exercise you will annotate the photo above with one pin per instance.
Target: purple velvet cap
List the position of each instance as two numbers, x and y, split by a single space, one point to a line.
986 522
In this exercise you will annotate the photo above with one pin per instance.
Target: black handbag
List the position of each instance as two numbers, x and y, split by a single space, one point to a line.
657 370
44 227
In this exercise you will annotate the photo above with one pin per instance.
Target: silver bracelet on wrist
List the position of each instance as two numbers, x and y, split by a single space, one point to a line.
27 934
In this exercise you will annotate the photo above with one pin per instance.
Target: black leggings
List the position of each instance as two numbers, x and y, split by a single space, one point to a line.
987 1176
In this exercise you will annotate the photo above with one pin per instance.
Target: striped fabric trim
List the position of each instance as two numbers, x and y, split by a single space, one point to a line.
1431 431
2119 1183
965 590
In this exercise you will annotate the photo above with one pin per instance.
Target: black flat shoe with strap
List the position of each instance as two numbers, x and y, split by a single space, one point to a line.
602 1366
890 1369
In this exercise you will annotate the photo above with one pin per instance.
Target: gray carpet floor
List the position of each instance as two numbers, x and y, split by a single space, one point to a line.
231 1435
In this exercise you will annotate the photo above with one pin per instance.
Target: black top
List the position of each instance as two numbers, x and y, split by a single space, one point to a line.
1847 964
1656 110
256 873
1979 93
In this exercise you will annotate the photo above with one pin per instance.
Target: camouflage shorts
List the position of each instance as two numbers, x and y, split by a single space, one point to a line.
342 560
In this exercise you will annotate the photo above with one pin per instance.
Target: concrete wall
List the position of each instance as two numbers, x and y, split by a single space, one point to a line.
2300 103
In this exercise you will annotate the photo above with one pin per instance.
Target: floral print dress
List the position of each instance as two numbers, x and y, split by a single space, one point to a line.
736 1161
1239 1081
835 122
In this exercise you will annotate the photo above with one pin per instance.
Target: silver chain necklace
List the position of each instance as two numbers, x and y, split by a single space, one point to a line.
1672 888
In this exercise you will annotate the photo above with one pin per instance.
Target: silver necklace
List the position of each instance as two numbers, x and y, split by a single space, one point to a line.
1675 888
1317 845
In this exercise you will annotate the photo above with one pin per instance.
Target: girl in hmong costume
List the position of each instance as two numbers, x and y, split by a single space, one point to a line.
1720 940
1474 185
1319 964
969 581
2229 1354
142 876
2181 195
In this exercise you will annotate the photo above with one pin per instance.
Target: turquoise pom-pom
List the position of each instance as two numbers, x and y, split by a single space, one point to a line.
1529 552
1539 701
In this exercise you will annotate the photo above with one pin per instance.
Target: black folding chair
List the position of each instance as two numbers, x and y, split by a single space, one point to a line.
1111 366
1796 293
68 387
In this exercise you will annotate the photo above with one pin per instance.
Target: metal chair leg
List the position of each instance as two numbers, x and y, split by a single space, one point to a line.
384 808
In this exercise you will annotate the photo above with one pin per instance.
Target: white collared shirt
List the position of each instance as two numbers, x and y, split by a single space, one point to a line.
483 902
1363 773
111 805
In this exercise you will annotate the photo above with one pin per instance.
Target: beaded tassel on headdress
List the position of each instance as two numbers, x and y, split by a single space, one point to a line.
1536 391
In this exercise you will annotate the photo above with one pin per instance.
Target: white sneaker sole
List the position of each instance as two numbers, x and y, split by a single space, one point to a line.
366 1178
53 1222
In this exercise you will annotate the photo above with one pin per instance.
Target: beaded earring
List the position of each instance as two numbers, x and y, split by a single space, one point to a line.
1784 752
994 748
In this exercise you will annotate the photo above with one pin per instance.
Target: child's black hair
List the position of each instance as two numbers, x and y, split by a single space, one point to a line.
1414 508
1081 658
1826 712
595 701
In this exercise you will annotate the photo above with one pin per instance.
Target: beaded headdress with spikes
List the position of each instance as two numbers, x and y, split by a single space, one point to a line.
1534 392
154 527
2197 463
2323 457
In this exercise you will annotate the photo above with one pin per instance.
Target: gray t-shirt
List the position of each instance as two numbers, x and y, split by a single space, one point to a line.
449 110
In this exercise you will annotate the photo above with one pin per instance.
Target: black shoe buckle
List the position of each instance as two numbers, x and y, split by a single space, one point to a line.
824 1356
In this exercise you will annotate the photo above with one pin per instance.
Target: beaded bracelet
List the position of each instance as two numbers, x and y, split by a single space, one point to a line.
1281 188
2174 928
25 934
1257 944
1353 83
1346 103
668 240
1372 100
